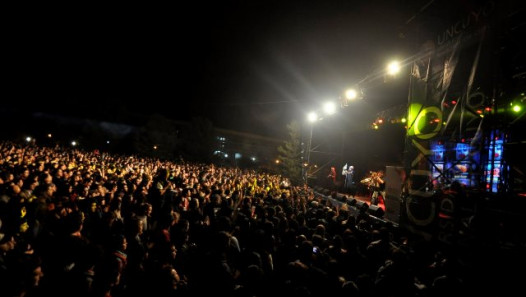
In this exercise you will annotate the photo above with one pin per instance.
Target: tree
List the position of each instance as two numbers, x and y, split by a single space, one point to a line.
198 144
290 154
157 138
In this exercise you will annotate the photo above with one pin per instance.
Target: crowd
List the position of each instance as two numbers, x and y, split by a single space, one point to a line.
76 223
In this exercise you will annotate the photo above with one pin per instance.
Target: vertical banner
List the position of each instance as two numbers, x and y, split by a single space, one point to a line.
424 120
449 91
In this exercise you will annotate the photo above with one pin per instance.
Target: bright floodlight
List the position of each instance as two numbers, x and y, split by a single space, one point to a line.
329 108
351 94
28 139
312 117
393 68
73 143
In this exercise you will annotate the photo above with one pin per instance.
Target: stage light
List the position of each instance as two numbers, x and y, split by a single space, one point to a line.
393 68
329 108
351 94
312 117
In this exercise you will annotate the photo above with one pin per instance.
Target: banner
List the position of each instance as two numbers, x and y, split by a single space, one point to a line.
449 93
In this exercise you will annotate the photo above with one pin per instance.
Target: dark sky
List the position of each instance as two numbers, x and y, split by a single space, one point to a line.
247 65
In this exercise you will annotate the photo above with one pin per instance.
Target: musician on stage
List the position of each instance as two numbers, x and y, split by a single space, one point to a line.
378 187
331 179
348 173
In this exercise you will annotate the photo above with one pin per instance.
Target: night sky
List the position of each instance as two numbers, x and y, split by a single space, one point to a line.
252 66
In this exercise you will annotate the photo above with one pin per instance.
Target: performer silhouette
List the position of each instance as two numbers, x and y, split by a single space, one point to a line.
331 179
348 173
378 187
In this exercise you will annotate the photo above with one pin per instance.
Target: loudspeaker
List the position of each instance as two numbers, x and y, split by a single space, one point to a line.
341 197
351 201
376 211
362 206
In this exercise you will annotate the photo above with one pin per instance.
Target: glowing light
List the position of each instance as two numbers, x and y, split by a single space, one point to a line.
516 108
277 161
351 94
49 135
74 143
329 108
154 147
404 120
393 68
28 139
312 117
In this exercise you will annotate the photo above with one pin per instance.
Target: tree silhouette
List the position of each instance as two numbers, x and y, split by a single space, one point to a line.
158 138
198 142
290 154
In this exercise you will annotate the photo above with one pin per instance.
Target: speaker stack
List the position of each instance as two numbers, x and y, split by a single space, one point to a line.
351 201
376 211
360 205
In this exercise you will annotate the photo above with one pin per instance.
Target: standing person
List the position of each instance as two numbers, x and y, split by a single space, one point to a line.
378 186
331 179
349 176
